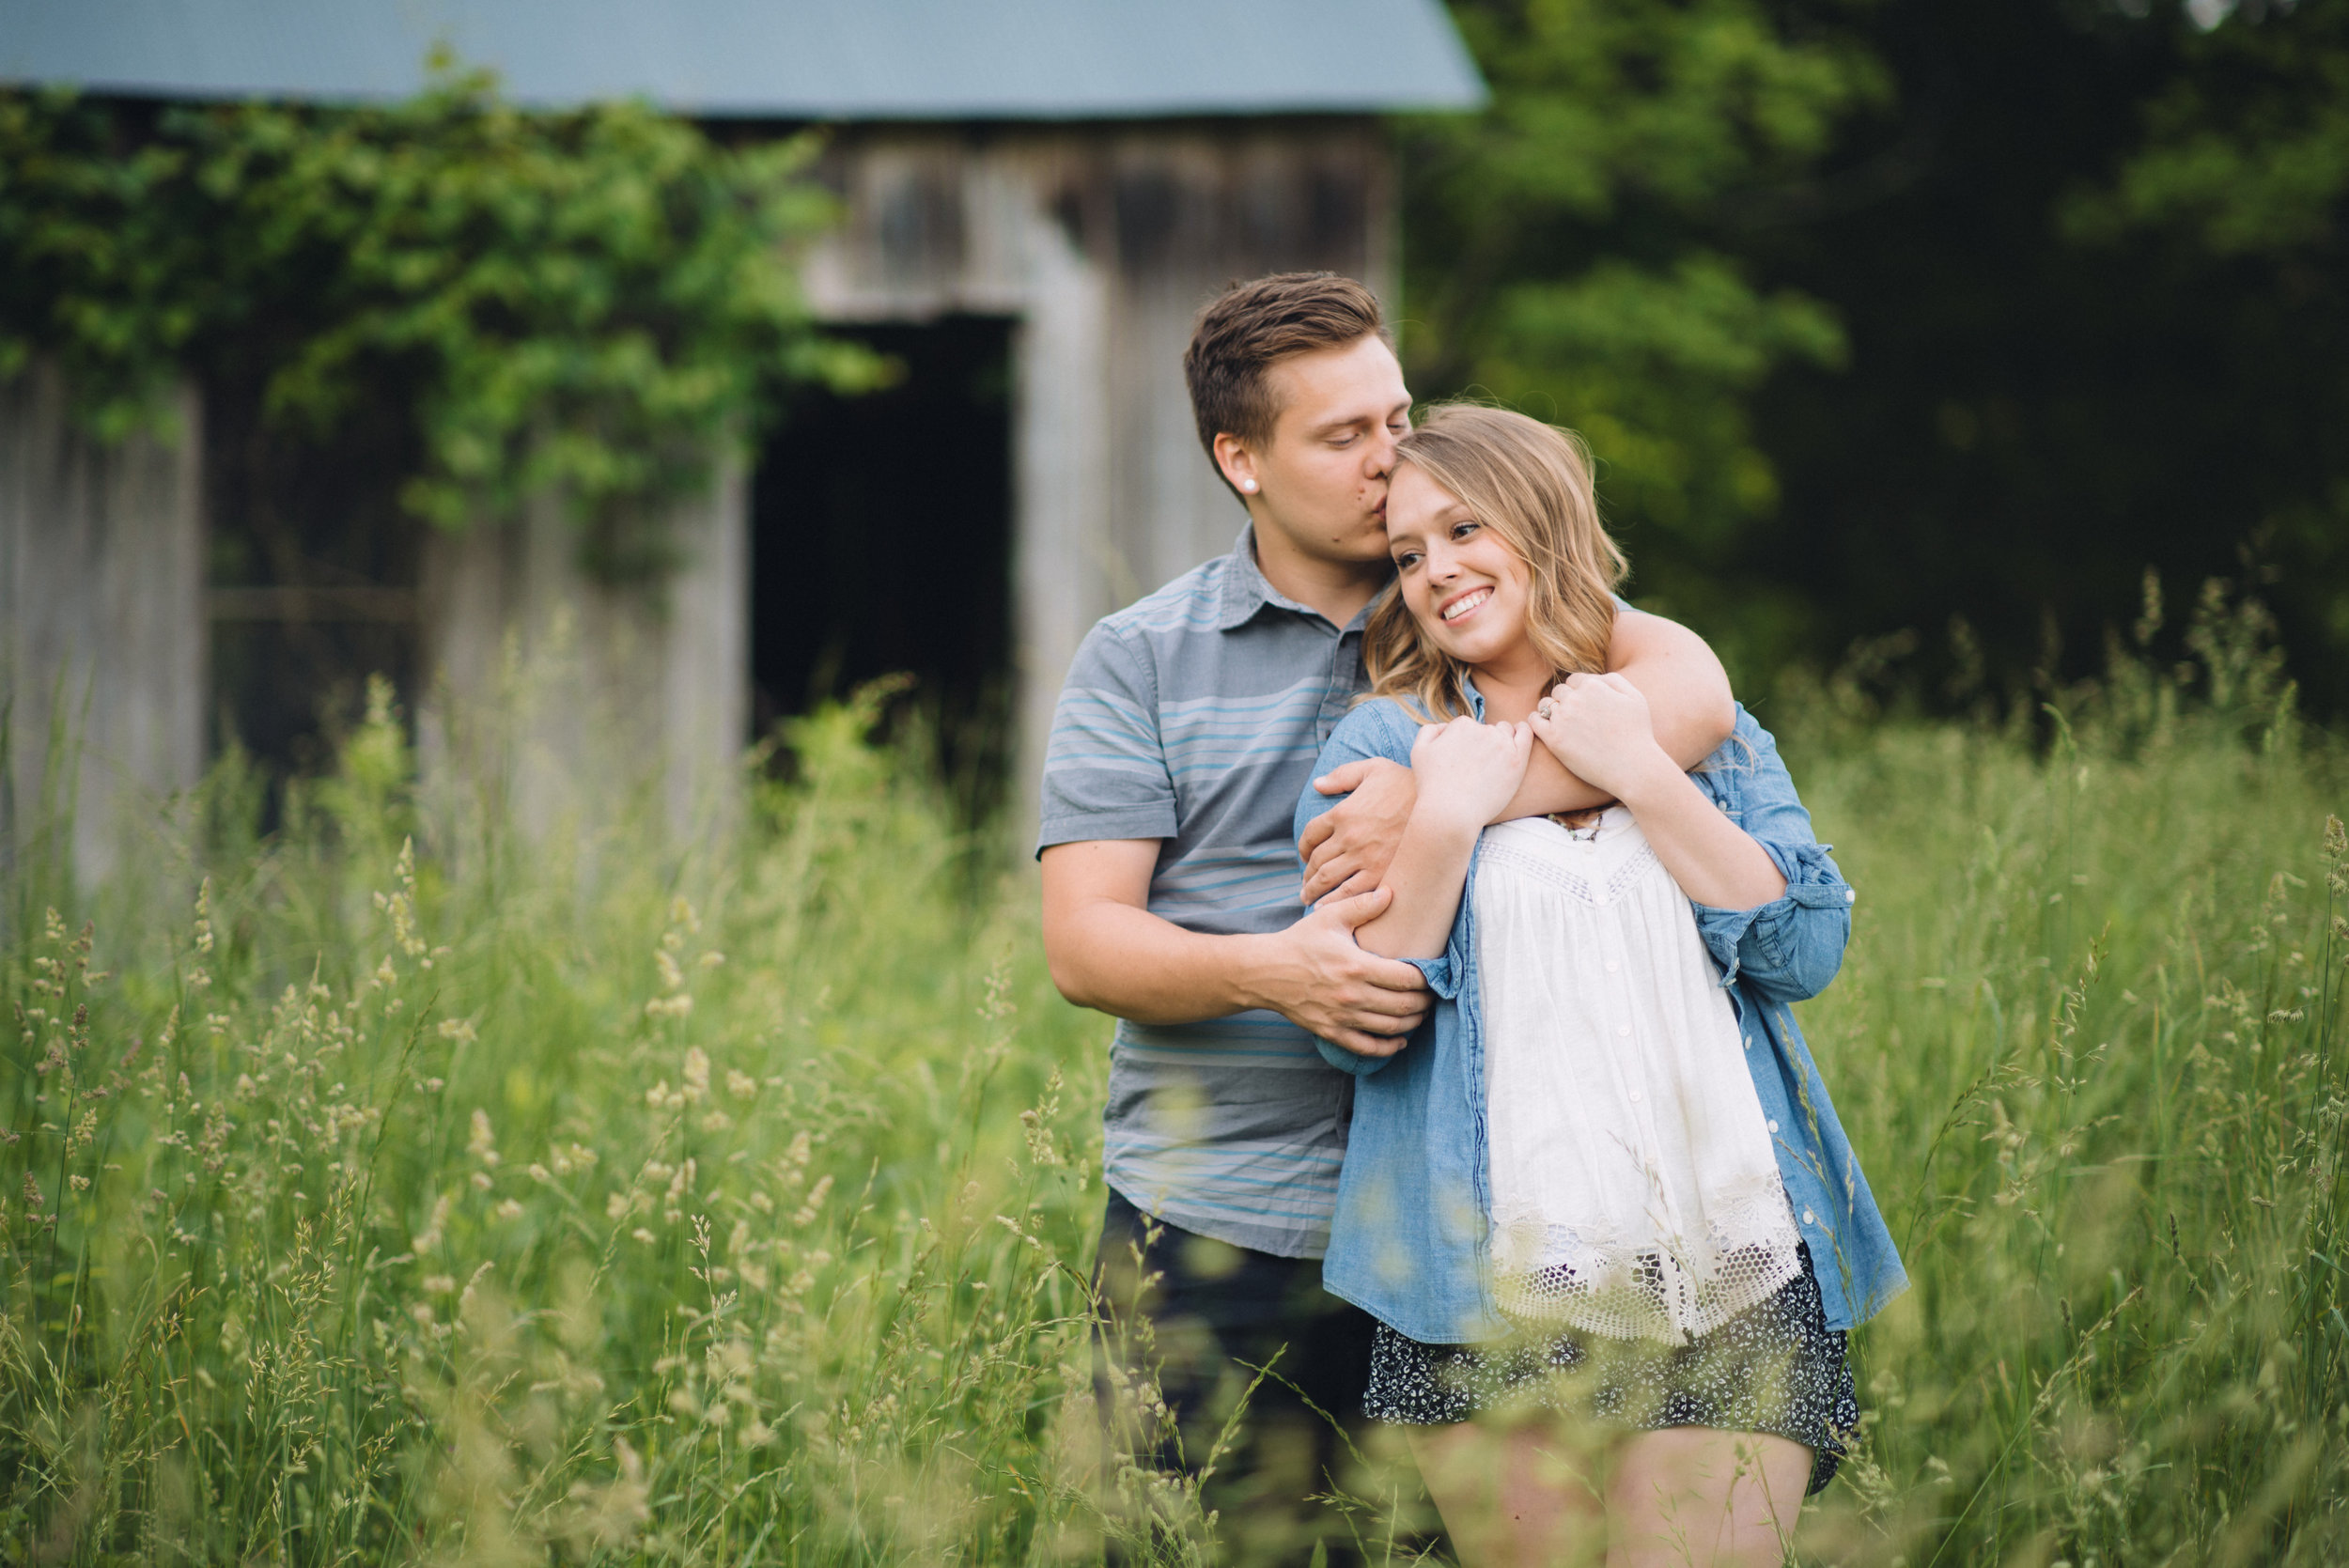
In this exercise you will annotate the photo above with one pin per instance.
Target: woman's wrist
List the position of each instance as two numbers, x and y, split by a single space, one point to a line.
1647 779
1442 821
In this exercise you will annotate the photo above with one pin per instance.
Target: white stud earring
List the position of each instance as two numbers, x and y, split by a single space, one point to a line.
1248 485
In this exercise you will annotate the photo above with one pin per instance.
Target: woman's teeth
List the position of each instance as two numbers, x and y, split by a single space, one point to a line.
1465 603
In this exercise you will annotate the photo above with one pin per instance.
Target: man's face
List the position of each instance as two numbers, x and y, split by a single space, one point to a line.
1322 478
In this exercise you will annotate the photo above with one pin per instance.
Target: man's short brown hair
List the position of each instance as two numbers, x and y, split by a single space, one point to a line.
1250 327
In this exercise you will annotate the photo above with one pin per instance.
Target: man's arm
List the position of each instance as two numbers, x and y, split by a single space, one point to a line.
1107 950
1347 849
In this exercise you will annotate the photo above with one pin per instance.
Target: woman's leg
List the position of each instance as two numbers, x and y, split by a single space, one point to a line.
1694 1497
1529 1495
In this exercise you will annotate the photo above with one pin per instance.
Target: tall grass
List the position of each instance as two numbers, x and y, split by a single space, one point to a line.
403 1186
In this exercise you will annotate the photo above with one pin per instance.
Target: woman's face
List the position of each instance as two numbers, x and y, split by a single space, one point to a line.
1465 587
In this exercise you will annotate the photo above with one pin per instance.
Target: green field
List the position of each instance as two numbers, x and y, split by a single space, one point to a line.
574 1198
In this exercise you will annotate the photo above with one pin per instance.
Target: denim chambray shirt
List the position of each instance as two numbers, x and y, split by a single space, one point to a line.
1409 1241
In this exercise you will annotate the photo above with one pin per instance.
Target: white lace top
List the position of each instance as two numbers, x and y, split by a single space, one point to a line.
1635 1189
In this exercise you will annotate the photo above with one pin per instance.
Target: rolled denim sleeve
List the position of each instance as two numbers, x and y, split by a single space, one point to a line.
1791 948
1443 978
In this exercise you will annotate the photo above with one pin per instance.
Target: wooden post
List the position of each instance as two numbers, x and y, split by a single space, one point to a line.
101 626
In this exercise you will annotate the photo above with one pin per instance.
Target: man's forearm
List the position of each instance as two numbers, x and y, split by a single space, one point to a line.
1135 965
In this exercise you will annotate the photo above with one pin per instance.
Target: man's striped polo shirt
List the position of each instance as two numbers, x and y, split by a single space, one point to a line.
1194 717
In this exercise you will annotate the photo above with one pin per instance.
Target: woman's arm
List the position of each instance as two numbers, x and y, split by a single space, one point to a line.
1791 948
1346 849
1466 772
1690 707
1600 729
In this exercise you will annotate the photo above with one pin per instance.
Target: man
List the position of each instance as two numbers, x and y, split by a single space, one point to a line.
1186 729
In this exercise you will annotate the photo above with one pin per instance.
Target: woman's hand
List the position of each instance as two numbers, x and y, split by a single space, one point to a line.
1467 771
1598 727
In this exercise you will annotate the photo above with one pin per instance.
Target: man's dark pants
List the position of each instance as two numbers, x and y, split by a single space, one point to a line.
1204 1317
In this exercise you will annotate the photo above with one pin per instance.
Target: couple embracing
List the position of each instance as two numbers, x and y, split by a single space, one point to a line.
1496 1130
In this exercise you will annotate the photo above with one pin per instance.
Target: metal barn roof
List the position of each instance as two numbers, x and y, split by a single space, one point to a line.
784 59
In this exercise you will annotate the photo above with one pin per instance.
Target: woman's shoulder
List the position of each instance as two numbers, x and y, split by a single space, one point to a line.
1380 726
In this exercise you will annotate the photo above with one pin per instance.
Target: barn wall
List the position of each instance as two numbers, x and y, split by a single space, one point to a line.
101 622
1103 241
563 701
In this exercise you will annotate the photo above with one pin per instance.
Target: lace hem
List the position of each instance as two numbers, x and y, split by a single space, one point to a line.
1610 1286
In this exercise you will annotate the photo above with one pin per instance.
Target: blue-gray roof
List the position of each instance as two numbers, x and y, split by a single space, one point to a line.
788 59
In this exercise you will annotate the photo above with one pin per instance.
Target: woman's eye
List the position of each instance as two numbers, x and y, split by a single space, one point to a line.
1462 529
1406 561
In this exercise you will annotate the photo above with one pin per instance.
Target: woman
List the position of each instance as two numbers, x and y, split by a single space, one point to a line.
1612 1271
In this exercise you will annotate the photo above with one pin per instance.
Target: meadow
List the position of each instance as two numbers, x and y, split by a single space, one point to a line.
400 1186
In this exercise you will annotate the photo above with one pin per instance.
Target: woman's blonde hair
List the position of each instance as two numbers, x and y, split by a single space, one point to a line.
1530 483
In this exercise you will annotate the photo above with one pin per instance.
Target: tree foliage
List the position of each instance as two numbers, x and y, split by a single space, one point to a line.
1570 251
2247 148
588 302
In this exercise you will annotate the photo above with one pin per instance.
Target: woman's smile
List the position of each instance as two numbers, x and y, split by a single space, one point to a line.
1466 604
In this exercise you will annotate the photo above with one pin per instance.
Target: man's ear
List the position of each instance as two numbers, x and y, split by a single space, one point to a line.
1238 463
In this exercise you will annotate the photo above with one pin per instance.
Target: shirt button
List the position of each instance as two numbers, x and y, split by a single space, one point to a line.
1623 1029
1634 1096
1849 895
1749 1042
1613 966
1773 1126
1810 1219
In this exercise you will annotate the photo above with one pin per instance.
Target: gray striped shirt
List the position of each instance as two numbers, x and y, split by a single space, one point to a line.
1194 717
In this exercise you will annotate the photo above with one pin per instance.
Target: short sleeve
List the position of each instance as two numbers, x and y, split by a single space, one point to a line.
1105 775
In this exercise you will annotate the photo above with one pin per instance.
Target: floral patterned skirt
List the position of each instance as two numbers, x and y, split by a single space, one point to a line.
1776 1368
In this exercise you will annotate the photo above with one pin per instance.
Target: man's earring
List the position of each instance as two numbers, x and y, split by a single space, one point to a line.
1248 485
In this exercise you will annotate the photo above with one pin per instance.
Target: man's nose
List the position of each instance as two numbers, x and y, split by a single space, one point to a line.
1381 459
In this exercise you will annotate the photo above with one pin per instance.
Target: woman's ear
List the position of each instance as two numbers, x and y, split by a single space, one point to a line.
1238 463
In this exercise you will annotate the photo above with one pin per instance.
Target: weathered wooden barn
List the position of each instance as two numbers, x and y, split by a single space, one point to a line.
1039 194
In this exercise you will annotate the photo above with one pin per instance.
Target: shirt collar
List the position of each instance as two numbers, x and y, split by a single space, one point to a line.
1246 590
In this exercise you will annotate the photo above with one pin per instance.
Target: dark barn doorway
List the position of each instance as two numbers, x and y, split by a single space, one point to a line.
881 543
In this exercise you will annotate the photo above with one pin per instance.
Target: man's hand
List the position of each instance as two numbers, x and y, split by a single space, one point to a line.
1315 976
1348 847
1108 950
